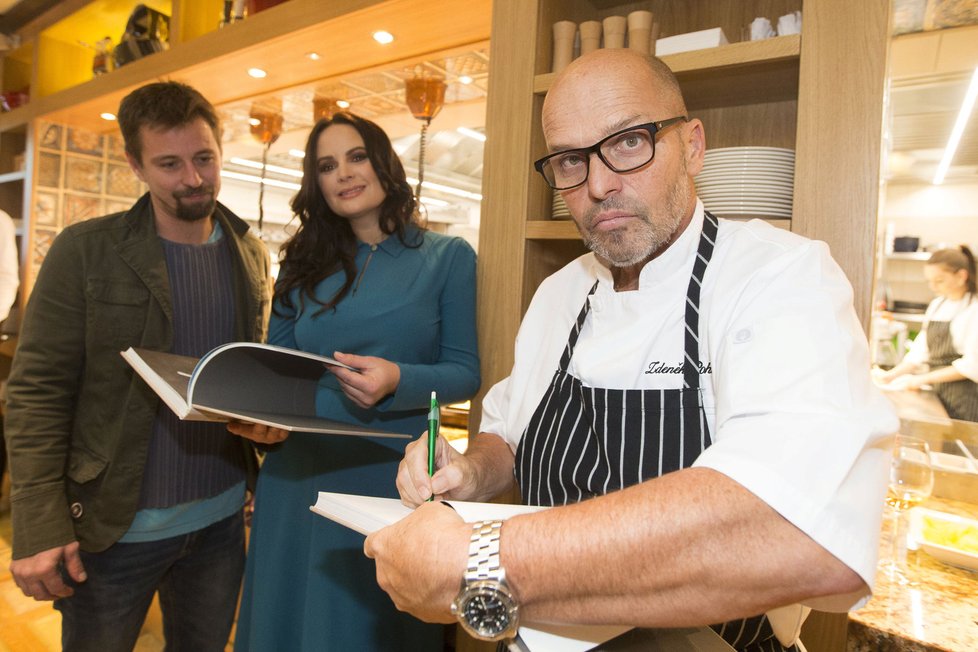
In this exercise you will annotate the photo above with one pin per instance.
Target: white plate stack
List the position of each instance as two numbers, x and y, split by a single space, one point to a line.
559 210
747 182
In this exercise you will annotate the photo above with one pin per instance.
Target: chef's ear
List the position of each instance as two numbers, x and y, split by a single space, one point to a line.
694 145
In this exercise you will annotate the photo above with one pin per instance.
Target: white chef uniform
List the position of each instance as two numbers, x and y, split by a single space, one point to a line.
790 407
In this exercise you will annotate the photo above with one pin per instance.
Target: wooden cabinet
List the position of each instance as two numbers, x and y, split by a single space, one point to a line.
820 93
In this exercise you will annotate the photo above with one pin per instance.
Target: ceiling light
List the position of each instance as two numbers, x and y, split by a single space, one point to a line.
435 203
343 104
254 122
298 153
250 178
465 79
472 133
952 143
257 73
448 190
383 37
248 163
313 56
107 116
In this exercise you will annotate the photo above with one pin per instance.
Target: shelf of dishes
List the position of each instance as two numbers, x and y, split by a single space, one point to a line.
748 72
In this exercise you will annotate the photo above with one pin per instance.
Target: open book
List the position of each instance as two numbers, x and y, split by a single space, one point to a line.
245 381
367 514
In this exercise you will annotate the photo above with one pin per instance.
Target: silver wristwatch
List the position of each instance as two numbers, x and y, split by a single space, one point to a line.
484 606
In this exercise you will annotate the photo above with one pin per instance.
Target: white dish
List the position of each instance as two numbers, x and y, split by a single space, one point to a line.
952 463
734 203
946 554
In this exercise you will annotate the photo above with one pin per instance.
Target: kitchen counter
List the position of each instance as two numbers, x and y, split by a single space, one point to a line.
939 615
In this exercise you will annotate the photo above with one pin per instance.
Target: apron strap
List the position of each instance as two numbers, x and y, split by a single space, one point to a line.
691 373
576 331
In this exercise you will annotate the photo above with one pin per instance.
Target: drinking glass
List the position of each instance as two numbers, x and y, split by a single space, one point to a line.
911 482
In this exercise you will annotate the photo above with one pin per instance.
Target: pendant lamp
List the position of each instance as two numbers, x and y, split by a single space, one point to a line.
265 119
424 96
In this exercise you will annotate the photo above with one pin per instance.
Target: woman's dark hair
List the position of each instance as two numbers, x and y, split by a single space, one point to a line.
325 243
954 259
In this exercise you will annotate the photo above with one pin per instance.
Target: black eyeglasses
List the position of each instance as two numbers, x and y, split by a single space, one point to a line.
622 151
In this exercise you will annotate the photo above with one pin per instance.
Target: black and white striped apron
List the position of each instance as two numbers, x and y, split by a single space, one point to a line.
588 441
960 398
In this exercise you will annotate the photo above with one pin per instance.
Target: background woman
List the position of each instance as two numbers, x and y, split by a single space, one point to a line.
360 281
948 342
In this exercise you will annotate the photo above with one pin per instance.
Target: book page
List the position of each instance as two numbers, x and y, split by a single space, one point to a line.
168 375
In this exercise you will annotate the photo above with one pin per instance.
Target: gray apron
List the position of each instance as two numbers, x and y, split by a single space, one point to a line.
588 441
959 398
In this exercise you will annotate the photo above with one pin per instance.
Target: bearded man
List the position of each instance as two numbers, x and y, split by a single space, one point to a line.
113 497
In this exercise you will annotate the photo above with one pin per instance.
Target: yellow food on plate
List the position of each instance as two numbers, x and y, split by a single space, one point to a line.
953 534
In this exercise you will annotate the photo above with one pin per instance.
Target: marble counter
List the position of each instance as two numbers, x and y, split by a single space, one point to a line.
939 615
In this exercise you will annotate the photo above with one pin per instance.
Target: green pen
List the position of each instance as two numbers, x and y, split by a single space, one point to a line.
434 420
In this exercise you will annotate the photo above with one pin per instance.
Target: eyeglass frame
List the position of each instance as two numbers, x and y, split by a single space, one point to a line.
652 127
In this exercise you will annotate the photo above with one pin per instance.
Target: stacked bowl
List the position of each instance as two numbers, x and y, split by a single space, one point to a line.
747 182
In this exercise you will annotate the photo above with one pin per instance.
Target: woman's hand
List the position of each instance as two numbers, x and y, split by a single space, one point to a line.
258 433
375 378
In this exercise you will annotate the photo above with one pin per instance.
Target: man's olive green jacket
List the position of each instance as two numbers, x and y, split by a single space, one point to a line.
78 419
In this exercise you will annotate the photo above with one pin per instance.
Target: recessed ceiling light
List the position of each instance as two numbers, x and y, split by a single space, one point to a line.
107 116
383 37
257 73
343 104
465 79
313 56
254 122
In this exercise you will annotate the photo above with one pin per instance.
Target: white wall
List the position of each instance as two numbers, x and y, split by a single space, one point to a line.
946 214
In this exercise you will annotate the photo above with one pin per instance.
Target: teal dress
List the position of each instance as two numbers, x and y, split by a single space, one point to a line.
308 585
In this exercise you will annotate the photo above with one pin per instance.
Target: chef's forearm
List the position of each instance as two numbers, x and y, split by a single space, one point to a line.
692 547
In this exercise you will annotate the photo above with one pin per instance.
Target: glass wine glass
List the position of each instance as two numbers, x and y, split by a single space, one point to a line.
911 482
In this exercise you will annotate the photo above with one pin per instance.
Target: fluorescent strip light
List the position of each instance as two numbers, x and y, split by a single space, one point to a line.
271 168
472 133
952 143
448 190
250 178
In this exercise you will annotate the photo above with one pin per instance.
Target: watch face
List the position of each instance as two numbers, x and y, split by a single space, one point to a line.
487 611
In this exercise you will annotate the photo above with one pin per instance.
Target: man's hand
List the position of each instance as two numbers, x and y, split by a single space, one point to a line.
39 577
421 560
374 379
258 433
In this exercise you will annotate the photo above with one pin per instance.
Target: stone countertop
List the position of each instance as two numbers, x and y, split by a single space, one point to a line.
939 615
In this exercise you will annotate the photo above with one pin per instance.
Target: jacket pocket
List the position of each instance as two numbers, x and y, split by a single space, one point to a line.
116 310
84 465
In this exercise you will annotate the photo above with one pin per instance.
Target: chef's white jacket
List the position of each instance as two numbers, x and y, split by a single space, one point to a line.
790 405
963 315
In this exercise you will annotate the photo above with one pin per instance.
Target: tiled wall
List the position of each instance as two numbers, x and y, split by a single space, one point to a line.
79 175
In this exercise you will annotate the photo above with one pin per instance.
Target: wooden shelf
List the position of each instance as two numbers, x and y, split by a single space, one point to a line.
10 177
278 40
687 65
552 230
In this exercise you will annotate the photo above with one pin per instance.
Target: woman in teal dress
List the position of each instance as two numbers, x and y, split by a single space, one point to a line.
362 282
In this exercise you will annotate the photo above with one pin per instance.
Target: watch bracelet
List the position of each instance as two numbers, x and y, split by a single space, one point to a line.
483 561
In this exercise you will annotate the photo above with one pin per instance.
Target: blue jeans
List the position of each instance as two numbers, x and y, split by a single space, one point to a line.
198 576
